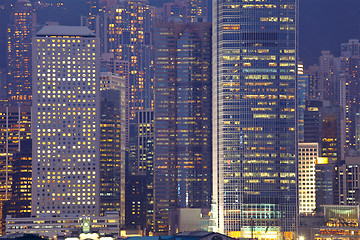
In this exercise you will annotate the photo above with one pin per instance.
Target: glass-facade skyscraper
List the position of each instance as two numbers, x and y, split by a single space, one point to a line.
254 118
129 39
182 156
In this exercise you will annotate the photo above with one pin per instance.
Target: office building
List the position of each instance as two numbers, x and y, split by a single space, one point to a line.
312 121
307 157
113 131
3 86
182 166
19 204
327 77
136 203
330 133
66 122
303 96
316 179
15 124
315 86
129 39
349 98
140 178
348 175
144 153
322 125
109 63
92 20
326 183
141 172
323 79
254 125
97 19
20 32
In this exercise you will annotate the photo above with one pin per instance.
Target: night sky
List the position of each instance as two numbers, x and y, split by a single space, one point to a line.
324 24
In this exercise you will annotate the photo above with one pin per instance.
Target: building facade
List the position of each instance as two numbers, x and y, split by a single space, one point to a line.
140 178
120 68
19 204
254 118
20 33
15 124
129 39
303 96
182 166
54 227
66 122
349 188
308 158
113 131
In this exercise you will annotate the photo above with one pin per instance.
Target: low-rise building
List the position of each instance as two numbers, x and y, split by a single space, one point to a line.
62 227
340 222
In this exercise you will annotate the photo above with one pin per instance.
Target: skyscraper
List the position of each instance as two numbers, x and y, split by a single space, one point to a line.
254 125
327 70
15 125
140 177
349 75
303 95
113 127
312 121
66 122
348 175
308 158
94 7
19 205
121 68
182 165
129 39
20 32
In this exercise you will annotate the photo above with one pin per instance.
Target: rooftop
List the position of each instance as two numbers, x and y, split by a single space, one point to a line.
65 31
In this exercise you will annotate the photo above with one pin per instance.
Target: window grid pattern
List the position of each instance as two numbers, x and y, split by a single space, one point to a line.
307 157
255 122
66 126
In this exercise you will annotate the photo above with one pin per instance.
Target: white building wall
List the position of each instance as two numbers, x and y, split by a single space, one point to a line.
307 157
65 122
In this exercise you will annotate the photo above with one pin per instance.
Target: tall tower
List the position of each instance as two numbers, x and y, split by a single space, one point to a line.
182 157
15 125
349 75
93 12
19 205
66 114
113 144
129 38
254 118
19 52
